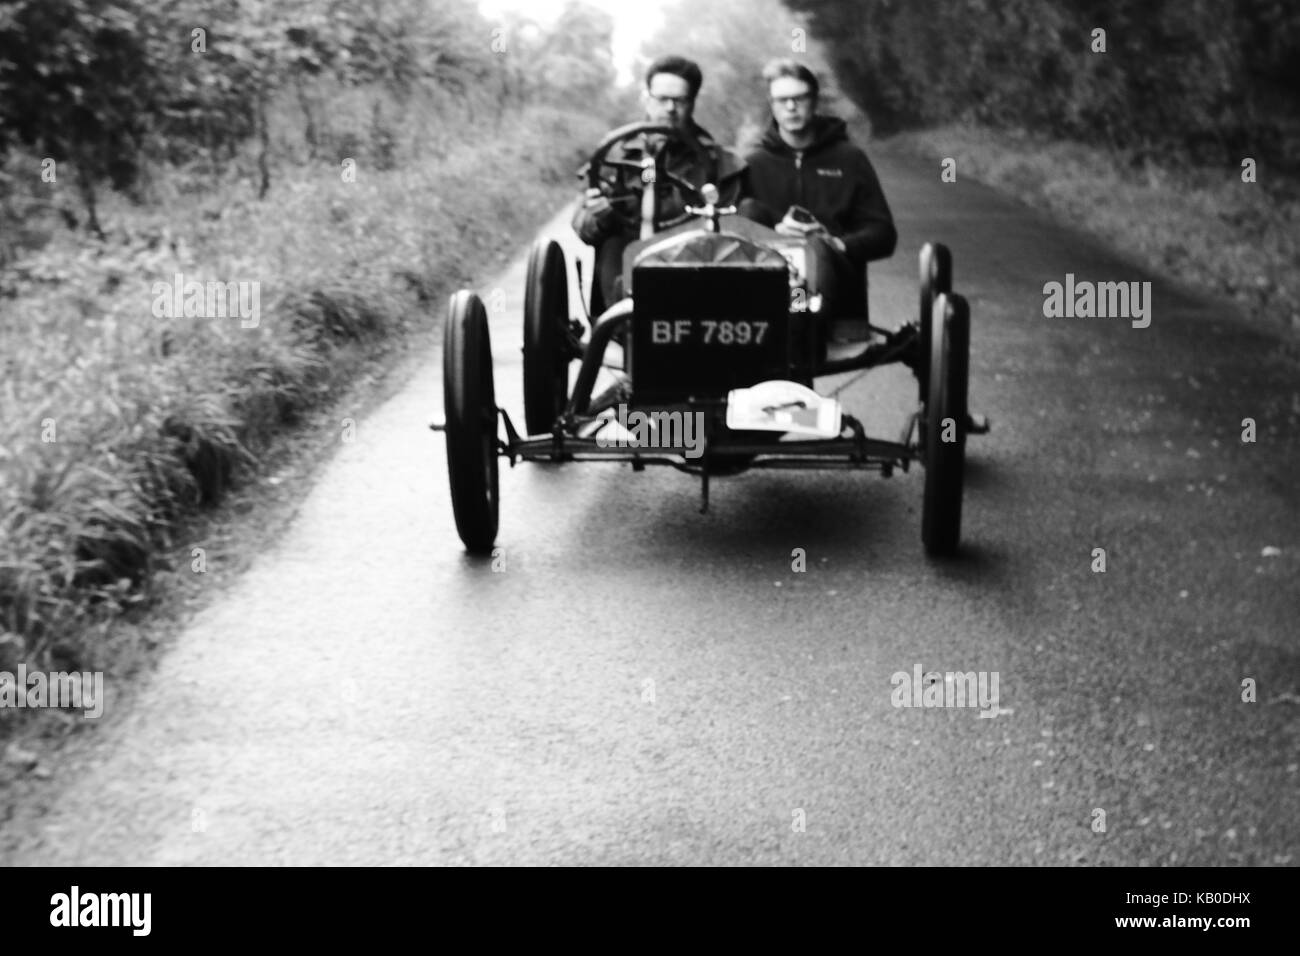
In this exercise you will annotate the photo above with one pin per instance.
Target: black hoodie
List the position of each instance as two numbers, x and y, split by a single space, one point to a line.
833 180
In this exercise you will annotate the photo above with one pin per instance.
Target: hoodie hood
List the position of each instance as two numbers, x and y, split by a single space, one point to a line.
826 130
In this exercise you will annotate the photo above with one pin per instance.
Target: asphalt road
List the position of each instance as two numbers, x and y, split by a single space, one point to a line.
639 684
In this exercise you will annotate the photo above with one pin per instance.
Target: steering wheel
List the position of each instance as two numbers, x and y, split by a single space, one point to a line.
600 160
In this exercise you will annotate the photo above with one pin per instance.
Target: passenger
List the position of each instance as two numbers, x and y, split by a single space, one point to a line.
806 160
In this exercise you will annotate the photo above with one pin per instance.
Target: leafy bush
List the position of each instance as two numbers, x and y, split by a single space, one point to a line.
115 423
1205 80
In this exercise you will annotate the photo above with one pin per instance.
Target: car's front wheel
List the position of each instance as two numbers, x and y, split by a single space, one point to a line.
470 401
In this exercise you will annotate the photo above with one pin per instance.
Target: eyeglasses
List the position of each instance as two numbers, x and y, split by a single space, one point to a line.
681 102
803 99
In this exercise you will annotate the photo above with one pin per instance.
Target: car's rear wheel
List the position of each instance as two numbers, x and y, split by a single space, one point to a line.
944 433
546 323
471 429
936 280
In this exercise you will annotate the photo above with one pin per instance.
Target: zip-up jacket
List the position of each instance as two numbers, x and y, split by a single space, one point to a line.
698 159
833 180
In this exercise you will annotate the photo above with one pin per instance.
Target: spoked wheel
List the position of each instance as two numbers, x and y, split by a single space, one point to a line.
943 436
471 428
936 280
546 326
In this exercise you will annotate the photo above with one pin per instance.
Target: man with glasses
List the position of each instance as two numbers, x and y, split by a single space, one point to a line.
806 169
805 164
609 217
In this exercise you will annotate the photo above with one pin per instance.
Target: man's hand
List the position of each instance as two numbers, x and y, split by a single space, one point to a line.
801 228
592 220
596 203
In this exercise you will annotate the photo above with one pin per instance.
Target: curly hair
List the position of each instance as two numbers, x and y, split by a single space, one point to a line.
688 70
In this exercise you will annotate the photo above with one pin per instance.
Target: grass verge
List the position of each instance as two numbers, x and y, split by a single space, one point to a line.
118 425
1202 226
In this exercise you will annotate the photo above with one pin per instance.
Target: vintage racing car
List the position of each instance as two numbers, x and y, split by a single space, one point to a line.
721 343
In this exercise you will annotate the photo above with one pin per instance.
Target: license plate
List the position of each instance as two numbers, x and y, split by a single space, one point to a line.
725 333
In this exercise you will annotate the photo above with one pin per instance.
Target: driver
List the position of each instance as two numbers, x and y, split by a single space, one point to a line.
609 217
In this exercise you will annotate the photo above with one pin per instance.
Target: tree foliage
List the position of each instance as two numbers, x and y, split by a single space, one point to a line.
108 85
70 82
1208 79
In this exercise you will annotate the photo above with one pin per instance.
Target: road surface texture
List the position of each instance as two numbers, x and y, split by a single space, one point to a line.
634 683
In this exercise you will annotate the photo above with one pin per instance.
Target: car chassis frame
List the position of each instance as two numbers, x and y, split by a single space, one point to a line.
565 443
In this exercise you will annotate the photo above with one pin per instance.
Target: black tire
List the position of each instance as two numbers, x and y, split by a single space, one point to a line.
546 323
945 418
936 280
470 401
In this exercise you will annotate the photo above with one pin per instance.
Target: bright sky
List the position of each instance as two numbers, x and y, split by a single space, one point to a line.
633 21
